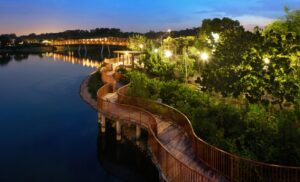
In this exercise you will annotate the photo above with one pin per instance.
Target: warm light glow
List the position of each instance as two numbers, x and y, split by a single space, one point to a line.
156 50
204 56
126 53
216 36
141 46
168 53
267 60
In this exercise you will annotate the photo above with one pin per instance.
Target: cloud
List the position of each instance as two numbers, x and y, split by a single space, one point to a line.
250 21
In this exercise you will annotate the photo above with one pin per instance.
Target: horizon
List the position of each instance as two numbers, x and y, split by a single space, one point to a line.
41 16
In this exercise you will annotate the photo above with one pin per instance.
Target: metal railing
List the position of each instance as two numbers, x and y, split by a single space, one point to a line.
233 167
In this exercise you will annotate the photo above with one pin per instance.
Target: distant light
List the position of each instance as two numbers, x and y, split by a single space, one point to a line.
216 36
204 56
156 50
169 30
267 60
168 53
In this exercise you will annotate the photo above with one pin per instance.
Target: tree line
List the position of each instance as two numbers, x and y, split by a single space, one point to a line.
7 40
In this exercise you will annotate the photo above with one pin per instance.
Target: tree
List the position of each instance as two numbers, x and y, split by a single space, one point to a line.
137 42
6 39
221 72
289 23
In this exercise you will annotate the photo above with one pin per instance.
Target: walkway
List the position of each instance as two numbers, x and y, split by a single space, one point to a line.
179 153
170 135
93 41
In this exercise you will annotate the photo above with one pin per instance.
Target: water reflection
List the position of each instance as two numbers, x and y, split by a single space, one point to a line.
71 58
124 160
5 58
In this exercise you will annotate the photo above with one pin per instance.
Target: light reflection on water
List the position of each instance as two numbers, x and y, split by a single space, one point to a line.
47 133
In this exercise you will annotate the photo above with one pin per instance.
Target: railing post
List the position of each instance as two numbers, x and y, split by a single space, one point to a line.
118 132
138 134
231 168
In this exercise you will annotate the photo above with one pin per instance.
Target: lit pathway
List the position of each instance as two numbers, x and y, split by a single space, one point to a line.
169 134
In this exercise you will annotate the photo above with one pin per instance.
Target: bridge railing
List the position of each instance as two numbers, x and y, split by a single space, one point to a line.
233 167
101 40
171 167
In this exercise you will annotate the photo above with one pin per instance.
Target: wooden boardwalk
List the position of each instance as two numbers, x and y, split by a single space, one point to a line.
171 136
179 153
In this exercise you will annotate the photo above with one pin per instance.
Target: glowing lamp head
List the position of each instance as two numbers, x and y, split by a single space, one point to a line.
267 60
204 56
216 36
168 53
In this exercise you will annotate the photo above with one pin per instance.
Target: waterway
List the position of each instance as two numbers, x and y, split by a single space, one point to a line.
47 133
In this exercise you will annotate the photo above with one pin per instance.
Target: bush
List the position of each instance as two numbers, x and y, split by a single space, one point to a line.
252 131
94 84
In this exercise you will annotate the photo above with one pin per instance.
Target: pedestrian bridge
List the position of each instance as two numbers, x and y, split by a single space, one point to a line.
93 41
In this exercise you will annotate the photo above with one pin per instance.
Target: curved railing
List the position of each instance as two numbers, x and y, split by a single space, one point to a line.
235 168
172 168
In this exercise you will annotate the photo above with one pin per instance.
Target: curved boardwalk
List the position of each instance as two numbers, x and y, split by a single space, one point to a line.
171 147
179 153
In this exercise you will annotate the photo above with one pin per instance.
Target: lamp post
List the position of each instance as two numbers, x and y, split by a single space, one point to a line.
161 38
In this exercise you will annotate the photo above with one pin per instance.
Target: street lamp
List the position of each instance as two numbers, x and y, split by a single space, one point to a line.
141 46
161 38
267 61
168 53
215 36
204 56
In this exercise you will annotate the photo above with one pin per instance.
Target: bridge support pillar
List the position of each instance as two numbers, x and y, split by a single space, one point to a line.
138 132
103 123
99 118
118 128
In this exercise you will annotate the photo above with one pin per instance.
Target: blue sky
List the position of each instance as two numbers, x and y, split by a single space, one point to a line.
26 16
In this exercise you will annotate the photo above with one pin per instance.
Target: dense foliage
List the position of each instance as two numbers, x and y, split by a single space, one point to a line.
284 25
94 84
248 130
249 103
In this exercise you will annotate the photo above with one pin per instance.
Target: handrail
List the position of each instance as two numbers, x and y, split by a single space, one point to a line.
174 169
99 40
235 168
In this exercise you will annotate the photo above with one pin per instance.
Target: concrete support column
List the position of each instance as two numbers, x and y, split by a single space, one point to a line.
118 129
138 132
103 123
99 118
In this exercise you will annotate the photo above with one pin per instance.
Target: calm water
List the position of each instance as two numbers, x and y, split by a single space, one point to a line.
47 133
